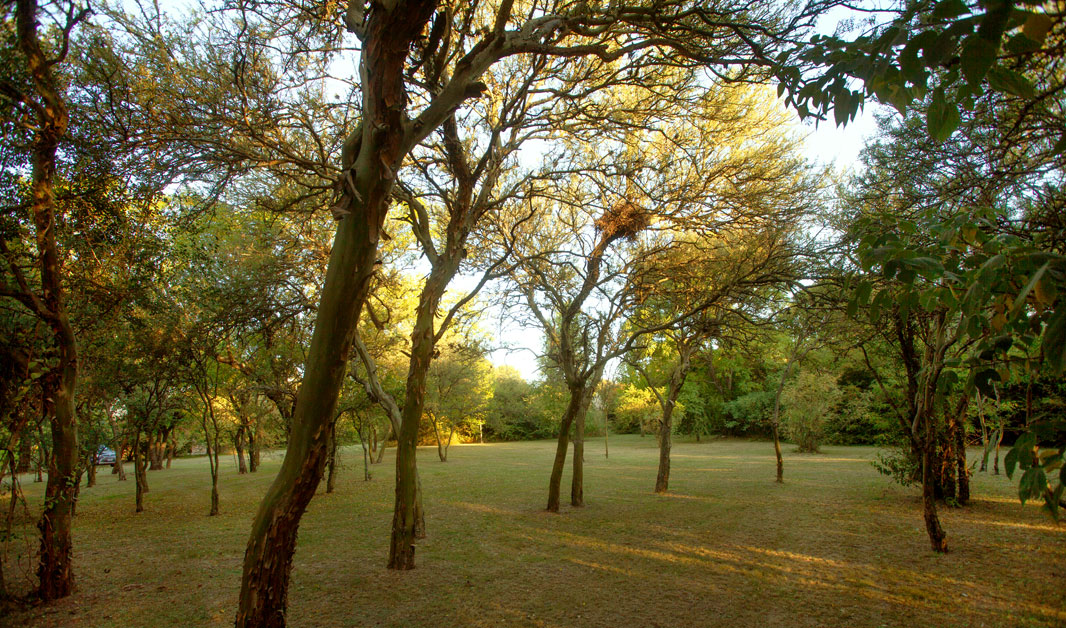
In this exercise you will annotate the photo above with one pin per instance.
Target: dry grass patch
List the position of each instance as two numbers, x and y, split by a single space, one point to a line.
837 544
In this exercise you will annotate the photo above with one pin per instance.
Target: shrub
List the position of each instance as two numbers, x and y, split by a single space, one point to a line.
808 402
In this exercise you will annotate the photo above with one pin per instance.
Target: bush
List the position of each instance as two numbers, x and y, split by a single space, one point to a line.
747 415
808 404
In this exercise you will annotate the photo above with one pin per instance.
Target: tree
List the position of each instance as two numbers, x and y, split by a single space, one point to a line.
808 402
459 392
36 98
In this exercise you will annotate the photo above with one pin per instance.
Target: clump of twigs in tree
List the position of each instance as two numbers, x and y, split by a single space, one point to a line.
623 220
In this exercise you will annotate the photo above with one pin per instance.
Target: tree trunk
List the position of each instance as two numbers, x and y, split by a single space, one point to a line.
171 448
442 451
382 442
577 479
999 441
572 408
662 478
963 470
238 444
331 478
55 570
985 441
138 472
253 448
212 459
90 470
932 522
365 193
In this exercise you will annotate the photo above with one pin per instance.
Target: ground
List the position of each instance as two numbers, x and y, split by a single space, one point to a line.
835 545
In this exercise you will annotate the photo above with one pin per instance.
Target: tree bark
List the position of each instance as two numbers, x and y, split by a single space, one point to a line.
55 569
238 444
442 451
90 471
555 482
331 478
138 472
962 469
577 478
253 448
366 192
937 538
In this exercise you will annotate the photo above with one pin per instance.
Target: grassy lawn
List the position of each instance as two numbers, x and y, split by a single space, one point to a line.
836 545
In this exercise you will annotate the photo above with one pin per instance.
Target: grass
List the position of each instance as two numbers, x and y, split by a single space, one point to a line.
837 544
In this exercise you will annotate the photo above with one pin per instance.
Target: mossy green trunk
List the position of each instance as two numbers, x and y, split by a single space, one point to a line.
365 189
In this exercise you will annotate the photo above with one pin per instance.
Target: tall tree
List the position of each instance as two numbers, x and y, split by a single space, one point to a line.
36 98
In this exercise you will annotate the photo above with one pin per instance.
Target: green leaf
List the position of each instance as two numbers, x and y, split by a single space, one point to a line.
1019 302
1037 26
948 9
978 55
942 118
1009 82
1010 461
1054 342
1032 484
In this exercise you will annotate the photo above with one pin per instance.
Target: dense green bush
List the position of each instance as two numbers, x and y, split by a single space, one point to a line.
747 415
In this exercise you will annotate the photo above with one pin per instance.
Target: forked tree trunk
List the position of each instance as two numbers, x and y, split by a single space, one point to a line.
668 404
366 189
561 448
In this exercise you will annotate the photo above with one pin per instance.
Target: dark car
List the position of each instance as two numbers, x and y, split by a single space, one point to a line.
105 455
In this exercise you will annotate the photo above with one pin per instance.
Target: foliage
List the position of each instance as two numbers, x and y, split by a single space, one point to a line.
747 415
808 402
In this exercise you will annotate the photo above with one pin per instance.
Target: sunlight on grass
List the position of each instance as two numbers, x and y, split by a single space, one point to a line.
835 545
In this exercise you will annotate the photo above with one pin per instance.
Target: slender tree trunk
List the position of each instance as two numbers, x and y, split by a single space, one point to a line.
367 452
577 479
138 472
985 441
963 470
999 441
212 459
666 426
90 469
572 408
662 478
606 433
442 448
381 444
932 522
238 444
171 449
253 448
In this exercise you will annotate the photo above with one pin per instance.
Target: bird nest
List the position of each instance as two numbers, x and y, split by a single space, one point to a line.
623 220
